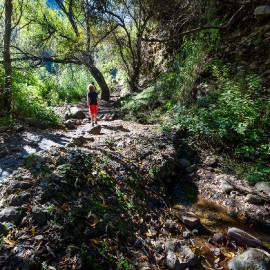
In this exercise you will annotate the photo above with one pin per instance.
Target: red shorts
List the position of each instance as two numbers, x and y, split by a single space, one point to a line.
93 109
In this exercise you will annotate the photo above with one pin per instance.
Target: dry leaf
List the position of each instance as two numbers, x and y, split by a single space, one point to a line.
9 241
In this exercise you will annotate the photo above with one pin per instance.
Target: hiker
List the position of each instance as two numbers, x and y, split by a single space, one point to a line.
93 102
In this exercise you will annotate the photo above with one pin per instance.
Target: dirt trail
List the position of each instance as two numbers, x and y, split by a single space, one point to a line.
15 146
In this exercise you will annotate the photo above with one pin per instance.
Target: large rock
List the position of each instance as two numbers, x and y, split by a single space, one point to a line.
243 238
75 113
10 214
95 130
262 12
263 187
252 258
184 258
188 218
253 199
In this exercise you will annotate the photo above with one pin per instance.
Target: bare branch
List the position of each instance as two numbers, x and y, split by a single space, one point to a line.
201 28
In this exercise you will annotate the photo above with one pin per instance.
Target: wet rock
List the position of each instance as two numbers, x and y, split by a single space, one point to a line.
188 218
39 215
253 199
95 130
243 238
262 12
253 258
74 113
263 187
10 214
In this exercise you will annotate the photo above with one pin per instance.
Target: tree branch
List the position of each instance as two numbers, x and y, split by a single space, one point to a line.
198 29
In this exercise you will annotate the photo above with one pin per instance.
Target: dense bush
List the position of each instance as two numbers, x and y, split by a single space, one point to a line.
233 114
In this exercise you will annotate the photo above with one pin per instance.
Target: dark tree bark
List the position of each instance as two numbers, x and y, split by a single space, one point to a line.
6 95
105 92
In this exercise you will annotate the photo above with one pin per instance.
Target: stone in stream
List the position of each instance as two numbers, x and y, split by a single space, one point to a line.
243 238
252 258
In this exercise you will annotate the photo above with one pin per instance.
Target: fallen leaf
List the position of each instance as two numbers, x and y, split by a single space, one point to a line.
9 241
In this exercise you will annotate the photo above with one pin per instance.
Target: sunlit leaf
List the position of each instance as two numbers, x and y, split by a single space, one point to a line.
9 241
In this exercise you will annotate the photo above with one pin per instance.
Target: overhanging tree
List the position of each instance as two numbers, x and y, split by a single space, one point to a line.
68 35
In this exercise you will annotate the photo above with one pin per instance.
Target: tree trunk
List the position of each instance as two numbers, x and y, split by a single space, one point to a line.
105 92
6 56
133 80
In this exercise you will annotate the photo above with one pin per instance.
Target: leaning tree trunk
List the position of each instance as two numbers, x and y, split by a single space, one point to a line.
105 92
6 56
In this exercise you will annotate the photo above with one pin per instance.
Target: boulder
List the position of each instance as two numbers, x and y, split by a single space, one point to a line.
10 214
262 12
252 258
263 187
188 218
243 238
74 113
253 199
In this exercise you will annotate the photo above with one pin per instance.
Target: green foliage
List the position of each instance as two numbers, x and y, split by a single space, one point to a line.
6 120
235 113
36 92
123 264
175 86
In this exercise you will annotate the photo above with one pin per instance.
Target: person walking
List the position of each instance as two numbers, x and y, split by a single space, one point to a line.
93 103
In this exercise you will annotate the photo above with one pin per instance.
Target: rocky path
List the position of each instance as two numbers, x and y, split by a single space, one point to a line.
116 196
18 142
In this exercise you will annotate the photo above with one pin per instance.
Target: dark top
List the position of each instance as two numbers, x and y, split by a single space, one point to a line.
92 98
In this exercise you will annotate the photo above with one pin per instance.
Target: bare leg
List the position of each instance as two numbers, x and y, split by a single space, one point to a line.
92 119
